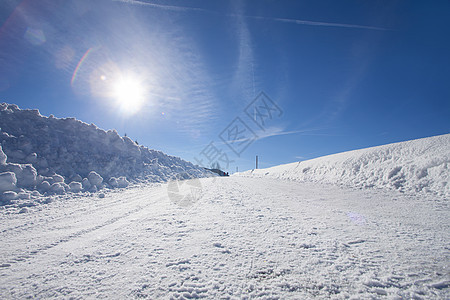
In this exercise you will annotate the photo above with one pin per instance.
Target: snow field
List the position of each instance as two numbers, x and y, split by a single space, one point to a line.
417 166
310 235
244 238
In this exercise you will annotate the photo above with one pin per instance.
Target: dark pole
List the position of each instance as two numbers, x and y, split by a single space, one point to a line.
256 161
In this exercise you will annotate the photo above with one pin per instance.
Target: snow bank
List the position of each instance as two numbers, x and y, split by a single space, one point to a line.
57 156
420 165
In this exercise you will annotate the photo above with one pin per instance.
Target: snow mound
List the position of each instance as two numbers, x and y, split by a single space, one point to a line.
56 156
417 166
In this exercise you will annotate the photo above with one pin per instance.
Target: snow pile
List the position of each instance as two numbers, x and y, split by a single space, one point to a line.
420 165
48 155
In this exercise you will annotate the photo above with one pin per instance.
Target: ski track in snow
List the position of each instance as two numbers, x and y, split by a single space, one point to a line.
245 238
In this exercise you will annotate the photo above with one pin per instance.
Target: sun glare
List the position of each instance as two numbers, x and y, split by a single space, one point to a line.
129 95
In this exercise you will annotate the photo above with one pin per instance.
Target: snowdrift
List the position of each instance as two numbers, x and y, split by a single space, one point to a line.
417 166
48 155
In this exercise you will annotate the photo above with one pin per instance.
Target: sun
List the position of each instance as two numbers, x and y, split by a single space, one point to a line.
129 94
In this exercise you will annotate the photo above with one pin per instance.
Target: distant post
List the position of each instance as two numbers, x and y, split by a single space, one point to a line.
256 162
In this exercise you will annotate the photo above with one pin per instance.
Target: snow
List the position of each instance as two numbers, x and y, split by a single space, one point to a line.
7 181
2 156
95 179
85 213
417 166
57 178
76 187
47 154
8 196
43 187
243 238
57 188
122 182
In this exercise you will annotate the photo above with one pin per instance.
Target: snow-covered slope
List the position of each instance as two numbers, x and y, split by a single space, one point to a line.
54 156
420 165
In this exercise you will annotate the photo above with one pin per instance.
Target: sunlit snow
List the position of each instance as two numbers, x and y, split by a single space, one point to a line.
364 224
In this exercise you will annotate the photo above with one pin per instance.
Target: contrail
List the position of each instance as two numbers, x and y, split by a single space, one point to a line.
314 23
283 20
163 6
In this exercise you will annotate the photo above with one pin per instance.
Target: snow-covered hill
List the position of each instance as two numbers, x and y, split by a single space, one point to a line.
48 155
417 166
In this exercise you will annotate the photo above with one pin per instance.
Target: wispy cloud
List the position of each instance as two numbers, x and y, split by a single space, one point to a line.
163 6
239 15
276 131
192 80
185 86
243 84
168 62
279 131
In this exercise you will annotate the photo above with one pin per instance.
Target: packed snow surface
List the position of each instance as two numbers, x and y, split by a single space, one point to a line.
46 156
417 166
242 238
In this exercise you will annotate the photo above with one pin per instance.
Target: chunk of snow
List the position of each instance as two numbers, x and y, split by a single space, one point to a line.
23 196
28 177
58 178
75 187
57 188
43 187
39 179
113 182
25 174
122 182
35 194
8 181
66 186
12 167
86 184
9 195
95 179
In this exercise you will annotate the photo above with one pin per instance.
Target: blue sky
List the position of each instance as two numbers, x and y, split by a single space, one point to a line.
343 75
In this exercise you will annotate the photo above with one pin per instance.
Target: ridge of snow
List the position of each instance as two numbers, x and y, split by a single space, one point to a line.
416 166
55 156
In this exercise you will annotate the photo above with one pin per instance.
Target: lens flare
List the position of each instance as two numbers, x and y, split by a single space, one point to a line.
85 56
